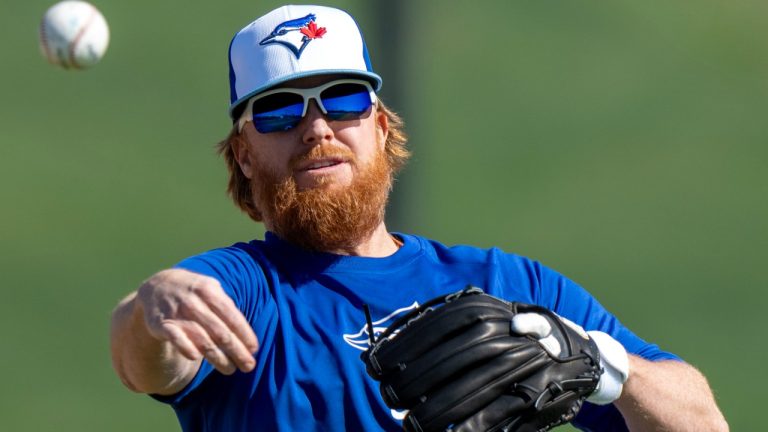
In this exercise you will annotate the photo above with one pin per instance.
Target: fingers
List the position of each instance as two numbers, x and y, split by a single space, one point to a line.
214 354
176 336
193 342
199 319
217 339
223 306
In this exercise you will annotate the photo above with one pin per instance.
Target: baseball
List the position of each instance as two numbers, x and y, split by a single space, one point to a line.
73 34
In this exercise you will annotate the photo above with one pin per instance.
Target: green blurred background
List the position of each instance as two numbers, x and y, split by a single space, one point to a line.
622 143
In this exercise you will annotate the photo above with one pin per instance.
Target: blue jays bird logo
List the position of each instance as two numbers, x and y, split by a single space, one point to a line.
295 34
361 340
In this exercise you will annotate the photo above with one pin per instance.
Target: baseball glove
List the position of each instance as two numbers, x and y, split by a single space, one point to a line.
455 365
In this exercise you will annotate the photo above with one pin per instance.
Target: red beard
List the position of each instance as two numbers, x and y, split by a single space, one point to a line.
325 218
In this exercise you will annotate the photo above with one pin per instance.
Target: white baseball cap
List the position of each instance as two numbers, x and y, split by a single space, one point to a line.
294 42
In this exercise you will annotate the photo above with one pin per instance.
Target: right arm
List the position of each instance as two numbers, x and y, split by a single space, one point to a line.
161 332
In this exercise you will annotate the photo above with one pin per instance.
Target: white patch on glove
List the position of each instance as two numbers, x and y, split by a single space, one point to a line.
537 326
614 361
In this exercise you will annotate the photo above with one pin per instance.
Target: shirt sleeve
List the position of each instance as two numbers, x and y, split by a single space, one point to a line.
241 278
570 300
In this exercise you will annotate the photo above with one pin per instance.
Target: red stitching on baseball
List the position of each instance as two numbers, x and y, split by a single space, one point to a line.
79 36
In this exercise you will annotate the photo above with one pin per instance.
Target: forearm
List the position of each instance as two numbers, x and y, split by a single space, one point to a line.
668 396
143 363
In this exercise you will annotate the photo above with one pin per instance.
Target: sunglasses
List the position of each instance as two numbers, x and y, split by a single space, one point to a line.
282 109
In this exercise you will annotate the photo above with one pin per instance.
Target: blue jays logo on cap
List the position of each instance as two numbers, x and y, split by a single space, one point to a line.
295 34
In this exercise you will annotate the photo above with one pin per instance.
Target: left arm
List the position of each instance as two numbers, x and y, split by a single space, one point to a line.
664 395
668 396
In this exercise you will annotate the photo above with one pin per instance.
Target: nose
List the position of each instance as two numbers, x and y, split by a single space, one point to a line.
316 127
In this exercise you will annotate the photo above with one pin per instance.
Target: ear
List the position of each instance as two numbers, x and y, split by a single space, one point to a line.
382 125
240 149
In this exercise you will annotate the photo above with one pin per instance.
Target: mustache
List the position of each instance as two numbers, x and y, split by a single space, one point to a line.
325 151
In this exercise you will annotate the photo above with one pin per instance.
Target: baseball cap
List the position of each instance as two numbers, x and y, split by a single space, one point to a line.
294 42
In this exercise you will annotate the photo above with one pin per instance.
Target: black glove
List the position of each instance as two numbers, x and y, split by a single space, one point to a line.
456 365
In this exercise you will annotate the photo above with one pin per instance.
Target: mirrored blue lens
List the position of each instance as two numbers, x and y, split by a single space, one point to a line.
277 112
346 101
282 111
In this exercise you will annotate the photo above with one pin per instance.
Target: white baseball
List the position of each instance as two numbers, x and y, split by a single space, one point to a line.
73 34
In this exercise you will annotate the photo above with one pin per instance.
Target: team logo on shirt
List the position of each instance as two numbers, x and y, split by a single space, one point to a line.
361 340
295 34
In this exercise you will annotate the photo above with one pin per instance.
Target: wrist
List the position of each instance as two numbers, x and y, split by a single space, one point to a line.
614 362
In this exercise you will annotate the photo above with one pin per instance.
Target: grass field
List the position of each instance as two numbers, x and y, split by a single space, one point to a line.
623 144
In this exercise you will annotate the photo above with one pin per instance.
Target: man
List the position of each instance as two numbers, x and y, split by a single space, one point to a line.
267 335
